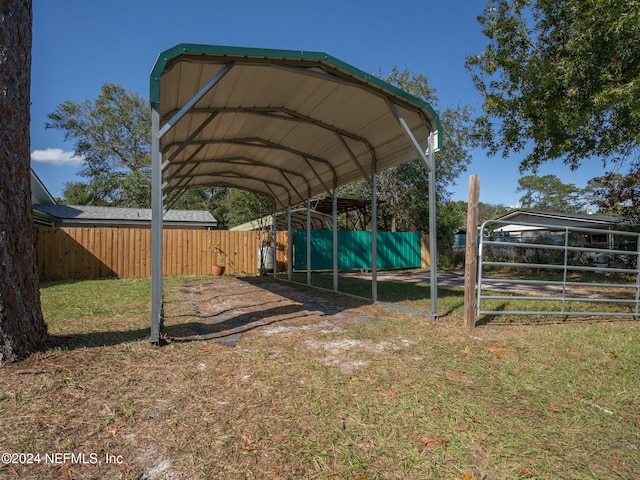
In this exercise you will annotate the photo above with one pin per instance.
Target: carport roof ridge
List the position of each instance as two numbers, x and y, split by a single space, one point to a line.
166 57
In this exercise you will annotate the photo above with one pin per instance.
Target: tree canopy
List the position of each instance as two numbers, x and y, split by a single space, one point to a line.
112 135
620 195
561 77
549 193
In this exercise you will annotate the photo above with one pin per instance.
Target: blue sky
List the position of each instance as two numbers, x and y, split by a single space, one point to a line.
79 45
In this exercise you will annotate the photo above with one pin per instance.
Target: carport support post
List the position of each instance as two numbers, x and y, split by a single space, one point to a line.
429 160
274 232
156 226
374 235
433 238
309 240
289 244
335 238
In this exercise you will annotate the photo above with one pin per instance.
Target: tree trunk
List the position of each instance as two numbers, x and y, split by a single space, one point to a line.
22 327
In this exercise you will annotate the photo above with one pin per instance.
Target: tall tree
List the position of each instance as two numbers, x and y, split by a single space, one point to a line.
112 134
561 77
550 194
22 326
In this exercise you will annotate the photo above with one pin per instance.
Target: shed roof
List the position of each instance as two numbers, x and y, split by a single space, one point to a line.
289 124
319 221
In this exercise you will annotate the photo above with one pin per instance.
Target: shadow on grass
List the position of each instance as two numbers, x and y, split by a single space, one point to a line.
515 319
213 320
95 339
522 320
411 294
218 316
233 326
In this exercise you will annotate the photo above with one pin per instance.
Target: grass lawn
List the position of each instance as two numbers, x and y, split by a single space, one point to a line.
402 397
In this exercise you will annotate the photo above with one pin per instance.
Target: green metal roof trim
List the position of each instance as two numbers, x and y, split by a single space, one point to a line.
173 53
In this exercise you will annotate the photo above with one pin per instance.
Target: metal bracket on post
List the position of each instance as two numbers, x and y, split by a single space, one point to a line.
354 159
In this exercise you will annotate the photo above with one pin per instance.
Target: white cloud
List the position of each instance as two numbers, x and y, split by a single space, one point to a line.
57 157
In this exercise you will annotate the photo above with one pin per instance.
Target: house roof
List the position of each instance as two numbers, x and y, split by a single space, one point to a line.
39 193
120 215
560 219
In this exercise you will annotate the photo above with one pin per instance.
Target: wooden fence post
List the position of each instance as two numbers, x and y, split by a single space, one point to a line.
471 254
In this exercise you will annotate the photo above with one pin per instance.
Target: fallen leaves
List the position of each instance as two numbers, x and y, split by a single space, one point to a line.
248 444
430 443
467 476
389 393
498 352
459 376
524 473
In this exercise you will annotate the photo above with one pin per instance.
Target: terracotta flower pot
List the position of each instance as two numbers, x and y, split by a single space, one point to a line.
217 270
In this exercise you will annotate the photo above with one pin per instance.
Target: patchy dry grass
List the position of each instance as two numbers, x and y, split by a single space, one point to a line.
319 386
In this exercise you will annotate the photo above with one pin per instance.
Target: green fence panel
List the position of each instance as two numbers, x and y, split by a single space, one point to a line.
395 250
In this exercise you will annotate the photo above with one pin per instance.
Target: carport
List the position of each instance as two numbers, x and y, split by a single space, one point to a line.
284 123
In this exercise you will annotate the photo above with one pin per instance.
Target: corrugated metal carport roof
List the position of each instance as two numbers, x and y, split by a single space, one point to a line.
289 124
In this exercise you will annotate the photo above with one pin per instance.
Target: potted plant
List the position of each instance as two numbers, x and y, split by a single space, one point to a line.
219 267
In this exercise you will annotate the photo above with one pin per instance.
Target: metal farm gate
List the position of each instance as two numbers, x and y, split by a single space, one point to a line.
540 269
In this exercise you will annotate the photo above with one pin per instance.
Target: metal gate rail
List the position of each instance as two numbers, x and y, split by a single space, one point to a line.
592 259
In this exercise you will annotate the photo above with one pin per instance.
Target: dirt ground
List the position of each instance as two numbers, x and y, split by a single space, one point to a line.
227 309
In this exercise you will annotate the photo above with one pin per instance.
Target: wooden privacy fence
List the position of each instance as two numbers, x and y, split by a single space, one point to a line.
84 253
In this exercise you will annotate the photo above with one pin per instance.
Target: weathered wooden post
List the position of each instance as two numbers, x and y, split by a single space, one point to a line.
471 254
